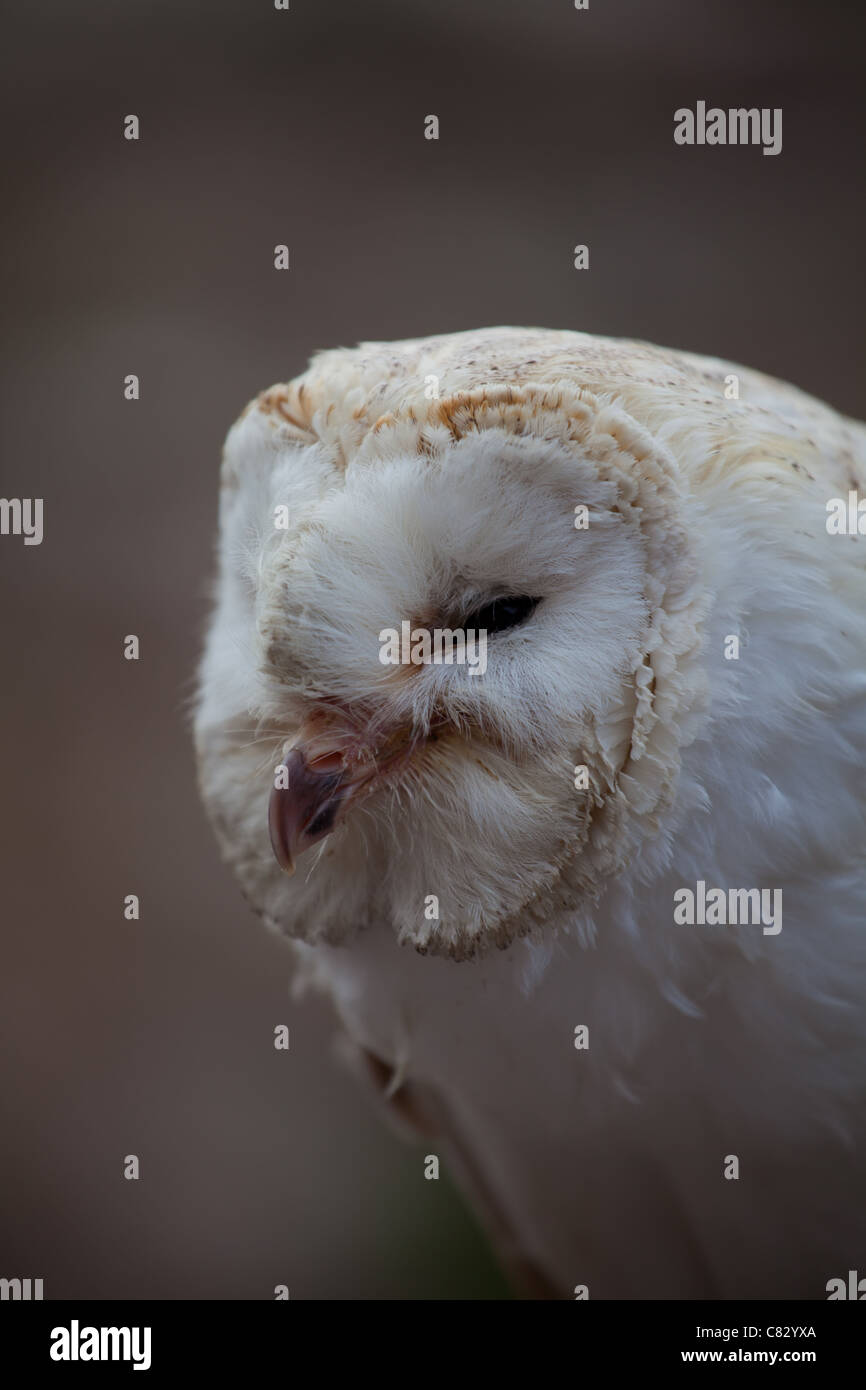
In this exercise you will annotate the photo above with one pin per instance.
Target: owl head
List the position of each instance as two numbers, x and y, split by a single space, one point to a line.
454 655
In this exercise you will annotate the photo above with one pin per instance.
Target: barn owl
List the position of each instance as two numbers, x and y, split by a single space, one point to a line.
592 920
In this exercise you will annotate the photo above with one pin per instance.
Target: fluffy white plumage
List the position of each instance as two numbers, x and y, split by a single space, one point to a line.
601 1167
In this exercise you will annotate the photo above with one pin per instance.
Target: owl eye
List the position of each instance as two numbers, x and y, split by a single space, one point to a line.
502 613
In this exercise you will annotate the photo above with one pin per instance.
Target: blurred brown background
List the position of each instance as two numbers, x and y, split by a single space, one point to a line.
306 127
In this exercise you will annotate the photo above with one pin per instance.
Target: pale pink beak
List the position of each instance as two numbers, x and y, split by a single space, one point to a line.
324 775
305 811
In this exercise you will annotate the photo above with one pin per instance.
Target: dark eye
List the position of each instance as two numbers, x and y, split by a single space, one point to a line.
502 613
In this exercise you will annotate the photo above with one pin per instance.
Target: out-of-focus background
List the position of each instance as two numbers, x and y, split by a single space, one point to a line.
304 127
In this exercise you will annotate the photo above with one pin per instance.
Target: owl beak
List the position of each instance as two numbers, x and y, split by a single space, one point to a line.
320 780
305 810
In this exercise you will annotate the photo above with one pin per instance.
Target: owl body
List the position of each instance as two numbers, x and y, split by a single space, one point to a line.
594 922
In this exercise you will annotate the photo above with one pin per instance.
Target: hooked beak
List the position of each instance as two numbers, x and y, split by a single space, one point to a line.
305 810
323 778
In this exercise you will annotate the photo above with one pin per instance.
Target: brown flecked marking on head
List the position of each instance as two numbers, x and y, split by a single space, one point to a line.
446 417
290 419
275 401
269 400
